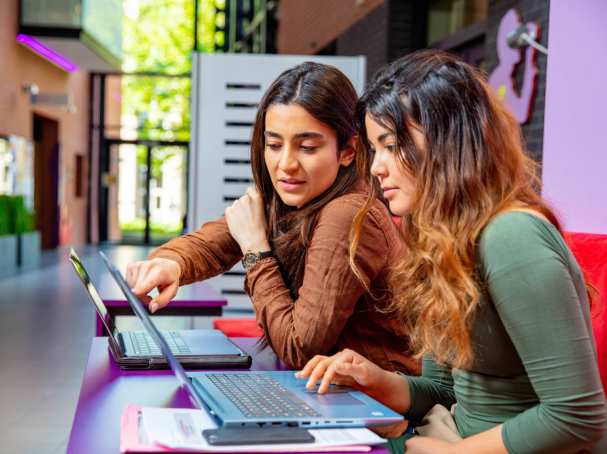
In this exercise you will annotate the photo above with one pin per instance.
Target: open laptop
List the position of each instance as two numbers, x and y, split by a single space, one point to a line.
240 399
201 348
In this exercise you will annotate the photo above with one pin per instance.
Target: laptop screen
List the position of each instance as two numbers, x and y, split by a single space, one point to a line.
92 291
154 333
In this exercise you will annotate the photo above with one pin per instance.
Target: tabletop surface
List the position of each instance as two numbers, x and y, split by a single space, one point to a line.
106 390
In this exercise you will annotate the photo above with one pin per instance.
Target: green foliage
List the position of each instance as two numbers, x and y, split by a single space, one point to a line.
5 216
158 37
14 217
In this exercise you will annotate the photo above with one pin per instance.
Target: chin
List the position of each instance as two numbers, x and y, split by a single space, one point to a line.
398 209
290 200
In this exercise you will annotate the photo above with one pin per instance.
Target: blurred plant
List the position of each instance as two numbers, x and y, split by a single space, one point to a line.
15 219
5 219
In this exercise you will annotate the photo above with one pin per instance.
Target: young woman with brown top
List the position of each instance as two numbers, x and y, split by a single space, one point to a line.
293 229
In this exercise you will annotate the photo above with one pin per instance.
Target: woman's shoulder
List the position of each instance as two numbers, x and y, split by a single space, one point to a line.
344 208
517 225
519 236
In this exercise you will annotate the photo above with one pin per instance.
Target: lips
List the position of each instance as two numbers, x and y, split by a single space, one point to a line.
389 191
290 184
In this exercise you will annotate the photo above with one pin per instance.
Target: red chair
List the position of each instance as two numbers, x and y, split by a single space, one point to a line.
238 327
590 250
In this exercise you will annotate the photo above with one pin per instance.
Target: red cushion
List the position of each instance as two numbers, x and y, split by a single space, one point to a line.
238 327
590 250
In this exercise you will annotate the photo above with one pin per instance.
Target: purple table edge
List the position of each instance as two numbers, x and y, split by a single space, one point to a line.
106 390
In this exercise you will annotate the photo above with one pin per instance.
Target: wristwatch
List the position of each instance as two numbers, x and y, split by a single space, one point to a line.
251 258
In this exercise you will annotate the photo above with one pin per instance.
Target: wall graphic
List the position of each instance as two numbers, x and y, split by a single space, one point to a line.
518 99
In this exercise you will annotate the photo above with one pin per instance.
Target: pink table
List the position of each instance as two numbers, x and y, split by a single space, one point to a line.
106 390
198 299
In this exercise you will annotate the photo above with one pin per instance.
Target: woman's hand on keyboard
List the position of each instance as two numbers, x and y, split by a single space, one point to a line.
352 369
145 276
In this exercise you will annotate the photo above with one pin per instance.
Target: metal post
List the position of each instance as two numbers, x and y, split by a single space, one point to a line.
148 199
195 47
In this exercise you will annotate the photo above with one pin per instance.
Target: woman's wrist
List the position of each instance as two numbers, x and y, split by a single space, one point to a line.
257 245
392 390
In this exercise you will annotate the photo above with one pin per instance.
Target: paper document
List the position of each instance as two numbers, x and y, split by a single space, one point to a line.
182 429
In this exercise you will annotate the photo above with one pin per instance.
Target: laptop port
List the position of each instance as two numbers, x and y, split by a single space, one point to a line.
305 423
292 424
276 423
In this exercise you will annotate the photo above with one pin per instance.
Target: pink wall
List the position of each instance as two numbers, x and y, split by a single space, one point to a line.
575 124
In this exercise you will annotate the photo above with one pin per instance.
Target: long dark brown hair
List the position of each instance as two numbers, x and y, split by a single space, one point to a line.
472 168
328 95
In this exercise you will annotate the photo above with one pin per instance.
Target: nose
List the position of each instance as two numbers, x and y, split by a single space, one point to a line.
378 166
288 160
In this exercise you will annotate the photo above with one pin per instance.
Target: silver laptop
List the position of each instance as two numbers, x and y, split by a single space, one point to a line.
196 349
240 399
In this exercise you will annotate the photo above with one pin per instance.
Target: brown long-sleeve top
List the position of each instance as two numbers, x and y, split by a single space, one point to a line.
333 310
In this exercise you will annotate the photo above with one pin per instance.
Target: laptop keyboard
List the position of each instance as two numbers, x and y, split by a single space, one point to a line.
257 395
145 346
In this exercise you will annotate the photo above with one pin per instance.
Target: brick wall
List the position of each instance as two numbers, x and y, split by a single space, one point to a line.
306 27
529 10
392 30
374 45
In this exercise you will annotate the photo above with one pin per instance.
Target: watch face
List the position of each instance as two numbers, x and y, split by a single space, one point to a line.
249 259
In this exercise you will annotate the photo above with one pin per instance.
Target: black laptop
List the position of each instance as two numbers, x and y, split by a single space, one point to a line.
195 349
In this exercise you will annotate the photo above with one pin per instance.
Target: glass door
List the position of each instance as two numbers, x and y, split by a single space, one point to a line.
152 192
167 193
132 193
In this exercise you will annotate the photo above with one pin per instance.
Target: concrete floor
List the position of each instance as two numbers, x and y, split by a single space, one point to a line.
46 327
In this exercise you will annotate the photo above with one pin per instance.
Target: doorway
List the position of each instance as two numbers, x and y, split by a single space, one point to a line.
150 198
46 179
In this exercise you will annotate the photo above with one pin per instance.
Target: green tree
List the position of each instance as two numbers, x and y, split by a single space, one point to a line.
158 37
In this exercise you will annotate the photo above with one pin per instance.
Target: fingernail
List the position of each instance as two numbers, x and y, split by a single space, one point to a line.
296 374
153 307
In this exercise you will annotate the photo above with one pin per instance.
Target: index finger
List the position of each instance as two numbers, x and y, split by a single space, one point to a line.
309 367
147 280
132 270
319 371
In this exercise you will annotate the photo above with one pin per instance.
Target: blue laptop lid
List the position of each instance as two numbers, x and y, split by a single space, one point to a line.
154 333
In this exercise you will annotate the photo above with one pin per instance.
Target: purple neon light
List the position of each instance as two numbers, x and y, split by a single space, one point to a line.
46 52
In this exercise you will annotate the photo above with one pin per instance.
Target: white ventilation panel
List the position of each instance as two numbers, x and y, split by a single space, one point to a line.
226 89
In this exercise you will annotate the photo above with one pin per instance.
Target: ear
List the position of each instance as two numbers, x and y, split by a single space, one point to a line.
348 153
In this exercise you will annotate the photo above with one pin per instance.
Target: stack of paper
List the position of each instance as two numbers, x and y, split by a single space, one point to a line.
174 429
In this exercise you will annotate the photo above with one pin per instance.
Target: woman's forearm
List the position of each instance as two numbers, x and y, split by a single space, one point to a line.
487 442
393 391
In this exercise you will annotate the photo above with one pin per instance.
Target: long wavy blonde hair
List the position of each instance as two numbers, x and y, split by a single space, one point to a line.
473 167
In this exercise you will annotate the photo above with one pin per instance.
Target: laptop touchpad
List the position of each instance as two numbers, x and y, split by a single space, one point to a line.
337 399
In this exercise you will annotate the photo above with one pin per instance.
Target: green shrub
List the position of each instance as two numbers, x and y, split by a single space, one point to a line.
15 219
5 215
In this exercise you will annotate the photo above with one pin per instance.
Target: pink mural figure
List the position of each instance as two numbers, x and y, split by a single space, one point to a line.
518 99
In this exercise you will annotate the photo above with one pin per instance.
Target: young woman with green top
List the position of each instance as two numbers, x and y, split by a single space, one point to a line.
493 298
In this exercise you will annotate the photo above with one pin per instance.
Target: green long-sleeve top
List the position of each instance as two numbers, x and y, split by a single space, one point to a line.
534 368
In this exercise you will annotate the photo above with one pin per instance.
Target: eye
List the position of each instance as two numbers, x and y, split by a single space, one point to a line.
308 148
274 146
391 147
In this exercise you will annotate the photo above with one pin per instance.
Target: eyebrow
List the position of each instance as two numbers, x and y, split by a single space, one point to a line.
384 136
301 135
